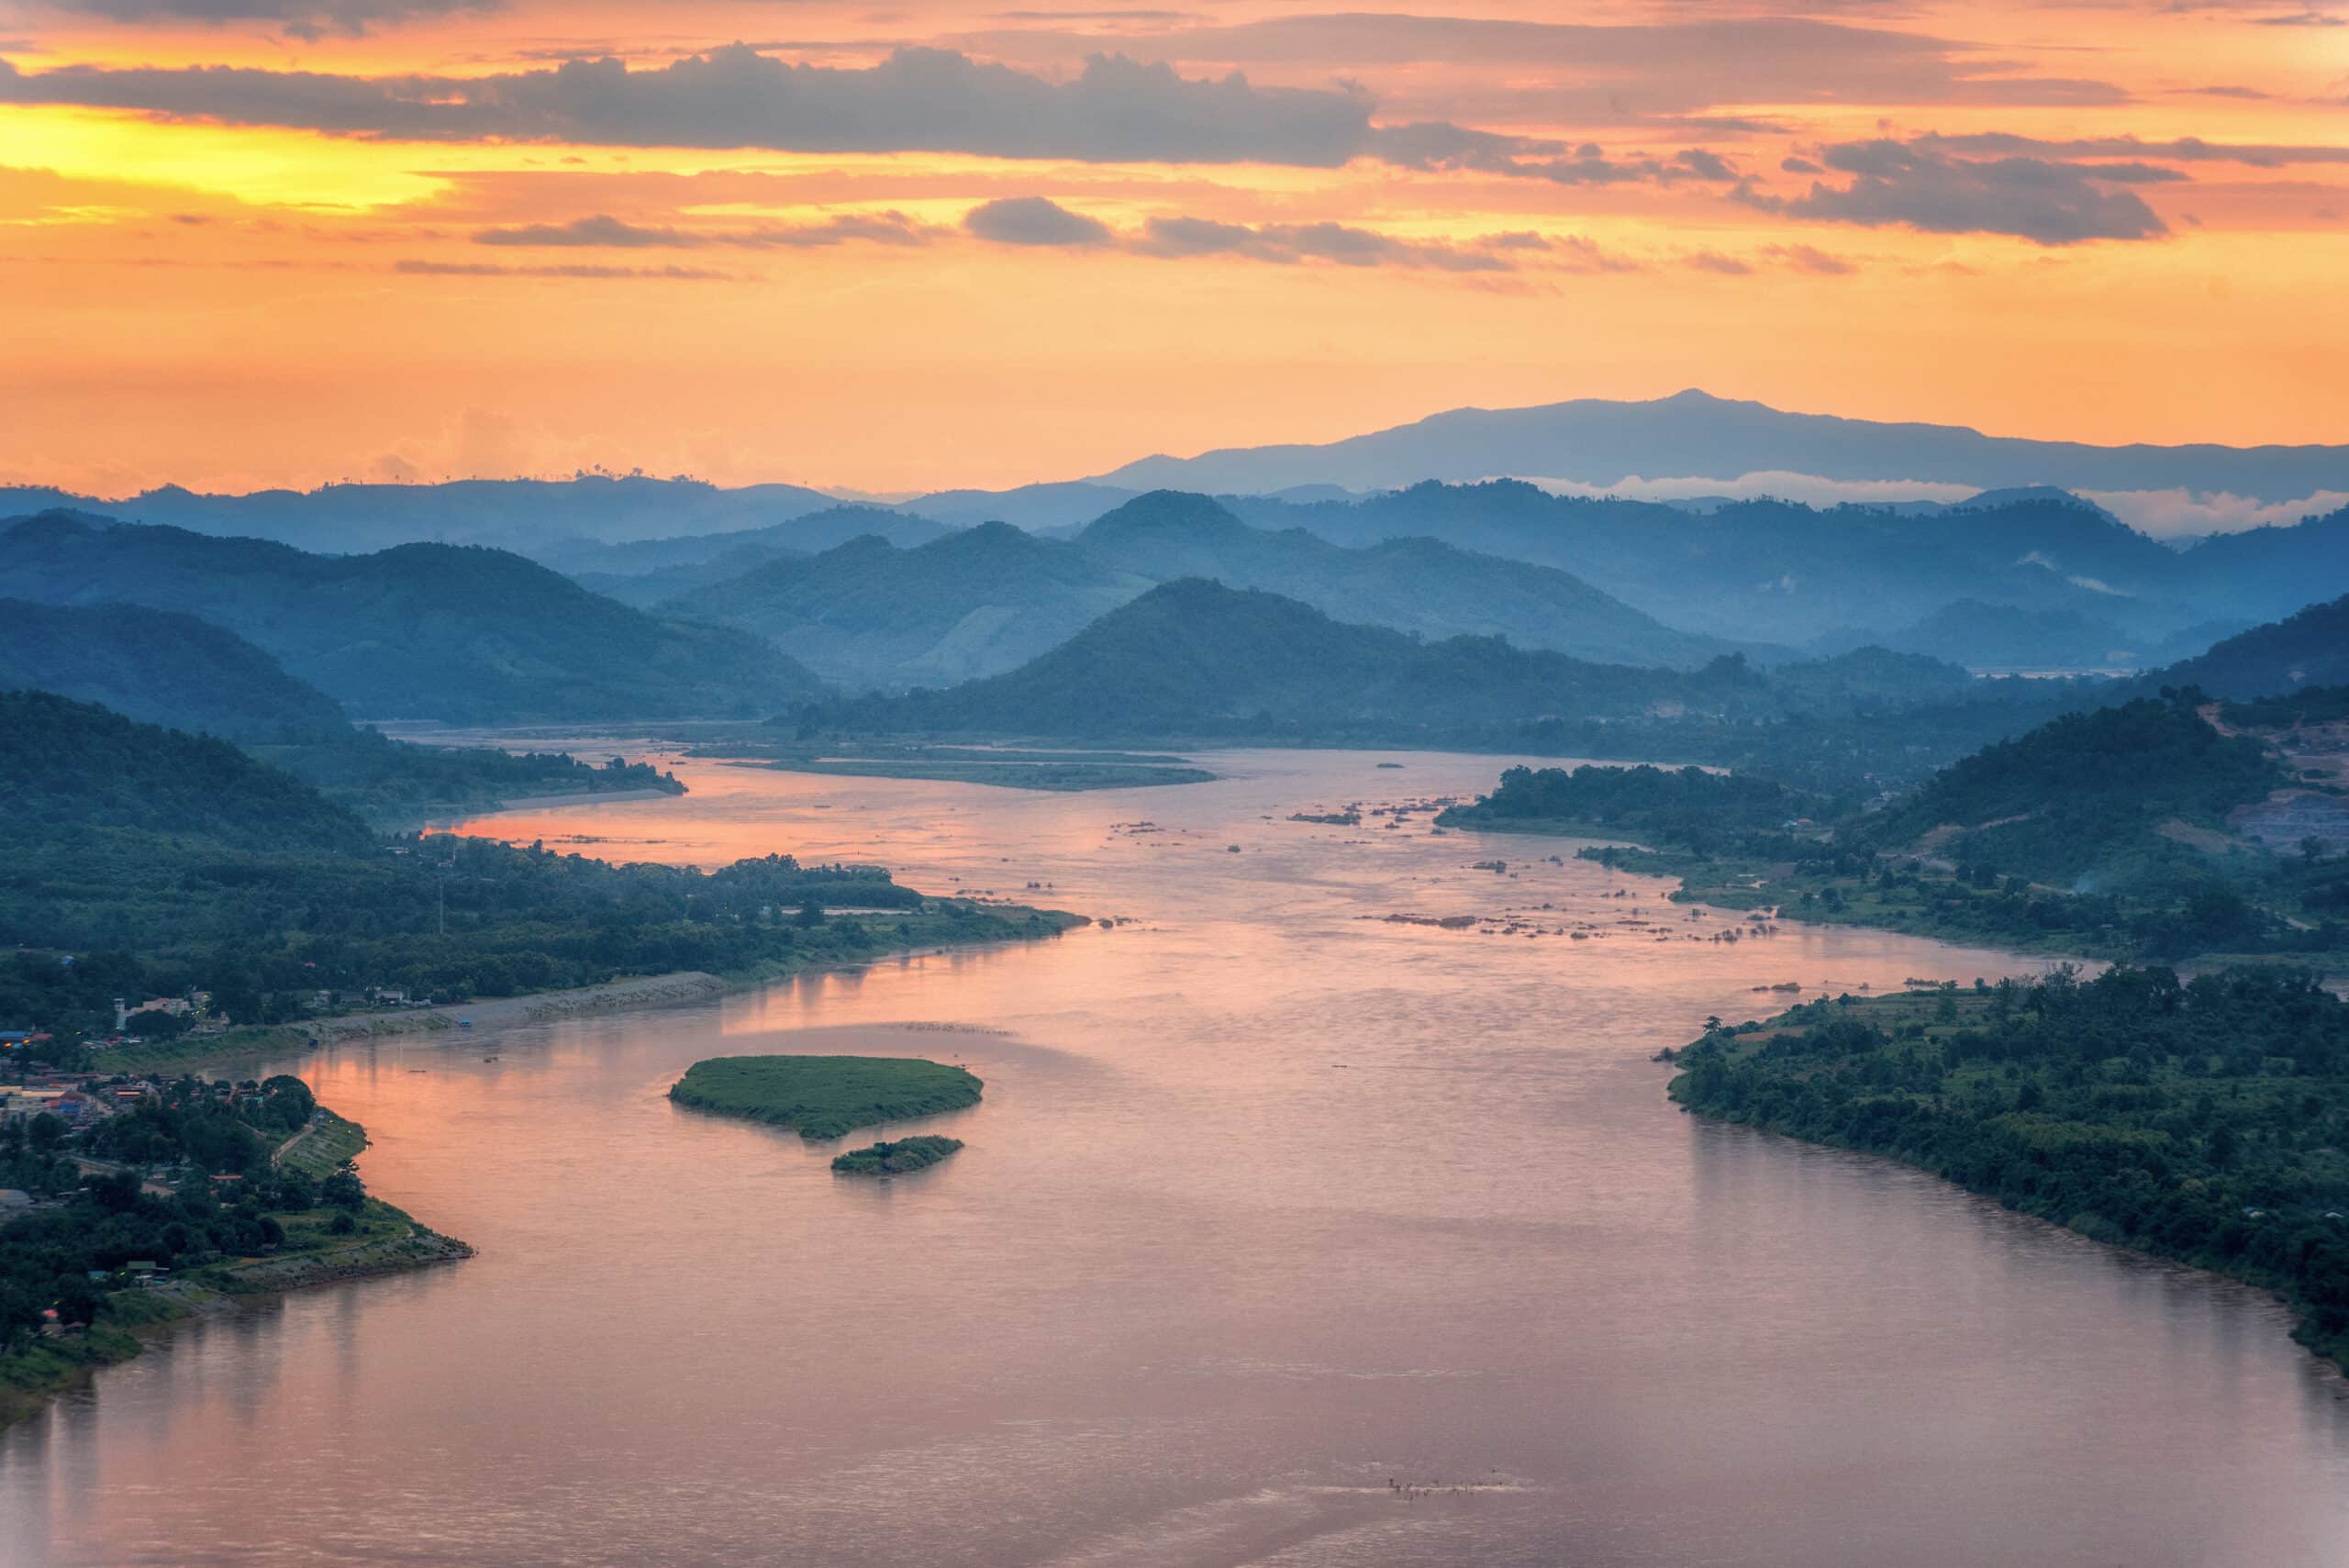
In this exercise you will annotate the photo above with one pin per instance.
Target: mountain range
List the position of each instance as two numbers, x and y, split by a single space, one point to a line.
1600 442
1195 657
459 633
981 601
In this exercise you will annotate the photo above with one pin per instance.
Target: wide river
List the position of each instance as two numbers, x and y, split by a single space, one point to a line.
1272 1203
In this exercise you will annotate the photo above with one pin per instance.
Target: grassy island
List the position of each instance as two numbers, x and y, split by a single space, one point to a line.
886 1159
825 1096
2203 1121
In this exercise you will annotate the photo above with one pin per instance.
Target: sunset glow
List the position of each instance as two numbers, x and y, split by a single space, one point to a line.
315 239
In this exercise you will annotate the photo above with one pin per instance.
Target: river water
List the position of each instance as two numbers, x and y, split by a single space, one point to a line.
1270 1205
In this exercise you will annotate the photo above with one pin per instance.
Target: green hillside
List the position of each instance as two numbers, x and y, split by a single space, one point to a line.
2311 648
2090 793
161 861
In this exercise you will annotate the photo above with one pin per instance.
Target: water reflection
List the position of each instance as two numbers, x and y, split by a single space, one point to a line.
1270 1201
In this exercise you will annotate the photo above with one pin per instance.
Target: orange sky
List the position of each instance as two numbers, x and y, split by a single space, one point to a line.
392 241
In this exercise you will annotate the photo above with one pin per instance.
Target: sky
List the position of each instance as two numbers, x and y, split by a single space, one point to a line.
944 242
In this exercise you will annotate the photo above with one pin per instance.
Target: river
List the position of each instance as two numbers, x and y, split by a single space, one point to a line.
1271 1203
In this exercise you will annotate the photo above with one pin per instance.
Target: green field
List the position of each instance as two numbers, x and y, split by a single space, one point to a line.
886 1159
825 1096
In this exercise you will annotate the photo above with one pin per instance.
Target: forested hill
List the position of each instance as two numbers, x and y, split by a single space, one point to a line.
2311 648
2102 791
163 861
160 666
75 766
459 633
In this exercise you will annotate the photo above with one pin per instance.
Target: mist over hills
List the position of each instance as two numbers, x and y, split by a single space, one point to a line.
458 633
1601 442
1783 572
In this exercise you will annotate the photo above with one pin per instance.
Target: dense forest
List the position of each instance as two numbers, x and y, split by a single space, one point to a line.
2200 1121
1686 808
138 858
2090 793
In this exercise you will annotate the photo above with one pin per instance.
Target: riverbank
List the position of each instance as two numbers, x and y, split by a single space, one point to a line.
2195 1123
133 1317
279 1042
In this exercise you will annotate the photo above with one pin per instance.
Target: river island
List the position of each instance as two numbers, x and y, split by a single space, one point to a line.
825 1096
887 1159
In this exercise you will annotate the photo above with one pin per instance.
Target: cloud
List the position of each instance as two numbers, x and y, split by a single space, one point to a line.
1114 110
1292 242
2302 20
307 19
603 230
2171 513
1438 145
1714 262
1556 72
1033 220
1780 483
2184 150
1914 185
483 270
1805 259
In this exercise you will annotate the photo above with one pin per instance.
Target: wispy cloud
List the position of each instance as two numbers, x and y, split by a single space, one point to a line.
884 228
1915 185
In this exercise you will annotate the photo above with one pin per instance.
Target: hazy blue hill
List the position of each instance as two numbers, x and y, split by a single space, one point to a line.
514 513
868 613
1420 585
1870 679
981 602
1596 441
1778 571
1038 509
2311 648
2269 572
808 534
1984 636
76 765
459 633
158 666
1196 656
